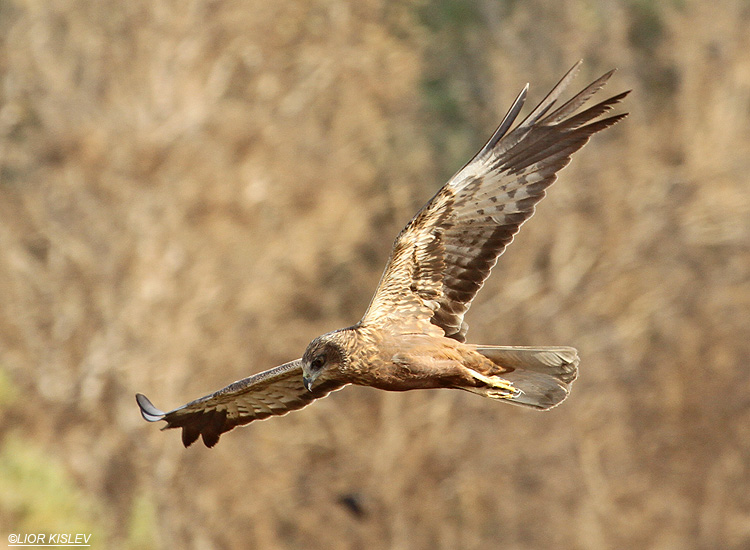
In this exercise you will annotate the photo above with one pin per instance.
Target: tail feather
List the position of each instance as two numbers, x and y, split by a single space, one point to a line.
541 375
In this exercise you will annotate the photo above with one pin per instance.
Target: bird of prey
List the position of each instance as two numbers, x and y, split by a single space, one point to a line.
412 336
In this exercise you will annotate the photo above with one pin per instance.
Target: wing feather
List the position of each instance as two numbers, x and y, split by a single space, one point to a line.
274 392
443 256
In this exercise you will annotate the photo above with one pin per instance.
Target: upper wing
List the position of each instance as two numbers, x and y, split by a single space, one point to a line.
273 392
442 257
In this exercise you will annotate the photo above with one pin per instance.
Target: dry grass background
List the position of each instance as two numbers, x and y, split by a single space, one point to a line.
191 190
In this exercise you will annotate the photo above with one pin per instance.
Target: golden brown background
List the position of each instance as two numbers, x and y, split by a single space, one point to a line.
191 190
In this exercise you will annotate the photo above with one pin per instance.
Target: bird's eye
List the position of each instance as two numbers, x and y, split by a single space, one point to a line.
317 363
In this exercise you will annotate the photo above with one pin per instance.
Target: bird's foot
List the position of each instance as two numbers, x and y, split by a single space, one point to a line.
497 388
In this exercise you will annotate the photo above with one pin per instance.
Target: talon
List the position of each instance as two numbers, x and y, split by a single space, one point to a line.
498 387
505 393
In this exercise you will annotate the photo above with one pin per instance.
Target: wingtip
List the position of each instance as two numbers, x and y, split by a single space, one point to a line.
148 411
505 125
573 71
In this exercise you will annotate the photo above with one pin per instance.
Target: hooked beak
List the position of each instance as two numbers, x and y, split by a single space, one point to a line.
307 381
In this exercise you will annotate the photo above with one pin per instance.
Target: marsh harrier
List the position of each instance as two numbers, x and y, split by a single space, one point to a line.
412 335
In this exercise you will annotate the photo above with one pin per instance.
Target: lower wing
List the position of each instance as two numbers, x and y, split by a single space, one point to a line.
270 393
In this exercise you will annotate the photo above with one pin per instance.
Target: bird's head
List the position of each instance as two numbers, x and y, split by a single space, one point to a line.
323 360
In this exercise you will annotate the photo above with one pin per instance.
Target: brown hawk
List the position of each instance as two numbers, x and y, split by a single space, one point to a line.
412 335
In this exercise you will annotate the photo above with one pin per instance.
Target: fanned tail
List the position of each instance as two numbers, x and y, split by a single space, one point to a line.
540 376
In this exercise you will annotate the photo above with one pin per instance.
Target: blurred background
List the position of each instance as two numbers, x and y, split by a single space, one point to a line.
192 190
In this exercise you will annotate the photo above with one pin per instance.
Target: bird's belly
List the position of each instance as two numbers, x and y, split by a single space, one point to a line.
415 373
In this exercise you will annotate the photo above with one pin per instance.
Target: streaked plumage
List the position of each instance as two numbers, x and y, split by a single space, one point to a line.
412 335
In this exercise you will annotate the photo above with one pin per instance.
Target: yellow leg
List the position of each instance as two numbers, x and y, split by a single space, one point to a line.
497 387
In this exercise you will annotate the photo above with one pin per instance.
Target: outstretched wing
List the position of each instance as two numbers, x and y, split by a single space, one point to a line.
443 256
273 392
